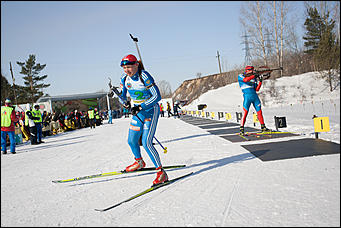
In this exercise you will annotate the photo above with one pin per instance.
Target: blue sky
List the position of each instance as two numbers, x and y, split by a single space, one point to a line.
83 42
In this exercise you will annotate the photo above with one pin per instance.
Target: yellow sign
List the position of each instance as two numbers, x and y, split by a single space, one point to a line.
192 113
212 114
228 116
197 113
321 124
202 114
255 118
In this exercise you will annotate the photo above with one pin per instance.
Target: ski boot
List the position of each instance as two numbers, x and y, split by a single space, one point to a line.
264 129
138 164
241 130
161 176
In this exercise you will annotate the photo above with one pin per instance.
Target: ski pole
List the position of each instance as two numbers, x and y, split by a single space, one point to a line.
136 40
164 148
138 51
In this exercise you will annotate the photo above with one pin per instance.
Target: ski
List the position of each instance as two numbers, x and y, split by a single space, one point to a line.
257 135
114 173
152 188
270 133
244 137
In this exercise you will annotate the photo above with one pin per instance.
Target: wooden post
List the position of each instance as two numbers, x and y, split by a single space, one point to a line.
219 61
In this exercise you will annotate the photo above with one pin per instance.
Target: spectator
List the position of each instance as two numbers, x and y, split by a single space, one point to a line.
162 111
38 122
169 110
78 119
110 116
8 117
91 116
29 121
175 109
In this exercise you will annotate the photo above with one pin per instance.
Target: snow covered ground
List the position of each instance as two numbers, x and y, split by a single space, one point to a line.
229 186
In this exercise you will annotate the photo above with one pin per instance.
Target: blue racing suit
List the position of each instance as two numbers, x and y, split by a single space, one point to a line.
250 86
143 91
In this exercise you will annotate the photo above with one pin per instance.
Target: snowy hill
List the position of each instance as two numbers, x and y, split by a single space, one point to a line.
297 98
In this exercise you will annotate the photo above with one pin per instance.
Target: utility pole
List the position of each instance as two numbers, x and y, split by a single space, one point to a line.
15 96
219 61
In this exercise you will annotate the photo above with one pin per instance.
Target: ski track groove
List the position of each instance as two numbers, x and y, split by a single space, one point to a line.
228 207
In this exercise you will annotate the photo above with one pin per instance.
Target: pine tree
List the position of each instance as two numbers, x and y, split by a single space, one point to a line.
327 57
32 78
6 89
322 45
314 26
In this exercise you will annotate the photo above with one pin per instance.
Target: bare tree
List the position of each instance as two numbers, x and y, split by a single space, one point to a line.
165 89
254 25
282 30
199 75
336 14
260 32
276 33
279 27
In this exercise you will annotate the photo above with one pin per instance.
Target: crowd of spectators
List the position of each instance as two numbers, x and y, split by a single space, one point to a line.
57 122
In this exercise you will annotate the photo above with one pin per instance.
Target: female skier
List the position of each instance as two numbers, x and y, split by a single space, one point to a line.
145 96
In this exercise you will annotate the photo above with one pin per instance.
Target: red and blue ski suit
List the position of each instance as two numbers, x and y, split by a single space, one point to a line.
250 86
143 91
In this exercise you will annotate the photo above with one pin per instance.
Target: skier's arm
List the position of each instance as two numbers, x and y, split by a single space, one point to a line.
258 86
248 78
153 88
259 83
123 98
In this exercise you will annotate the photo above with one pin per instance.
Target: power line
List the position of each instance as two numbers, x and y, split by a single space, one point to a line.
268 44
247 60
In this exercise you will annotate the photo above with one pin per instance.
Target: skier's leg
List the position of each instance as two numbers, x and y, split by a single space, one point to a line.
3 142
246 107
135 131
257 105
148 135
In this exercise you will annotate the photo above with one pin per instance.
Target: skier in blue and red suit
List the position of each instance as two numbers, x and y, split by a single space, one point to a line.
250 83
145 96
